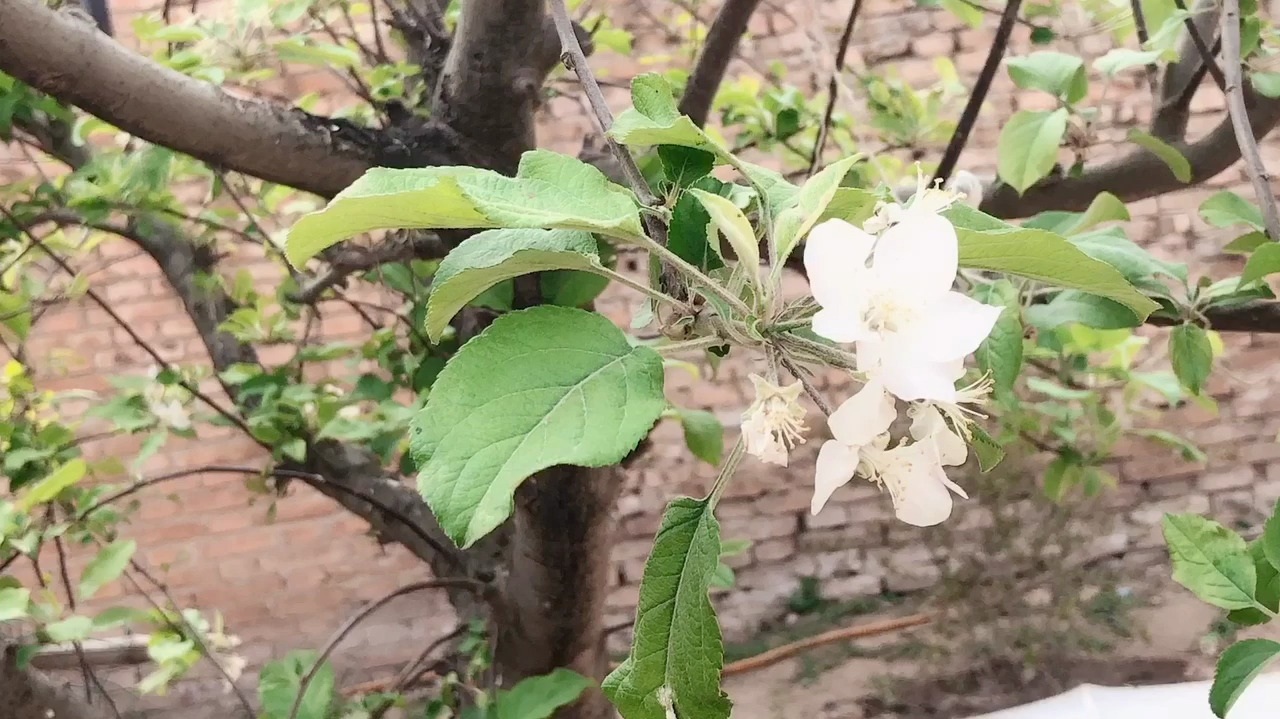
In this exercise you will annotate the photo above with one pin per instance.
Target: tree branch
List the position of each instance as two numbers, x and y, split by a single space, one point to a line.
1261 317
1135 176
1183 78
833 88
55 53
713 61
1248 144
348 259
1202 47
969 116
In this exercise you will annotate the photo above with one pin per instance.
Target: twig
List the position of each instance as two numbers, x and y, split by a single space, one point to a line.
310 478
777 654
1253 163
809 389
717 50
574 59
969 116
360 616
191 629
411 669
1140 24
1202 47
833 89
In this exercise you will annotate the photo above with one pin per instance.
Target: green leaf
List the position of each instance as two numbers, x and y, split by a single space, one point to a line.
539 697
1027 148
1239 665
1246 243
989 452
71 629
580 394
970 15
703 434
736 229
487 258
14 603
651 95
1191 355
549 190
1123 58
654 119
280 680
15 314
810 204
684 166
1106 207
1186 449
1089 310
723 576
1056 73
1137 265
690 233
852 205
571 288
1268 593
1225 208
1061 474
51 486
677 653
1271 537
106 565
1001 352
1167 153
1264 261
1266 83
989 244
1210 560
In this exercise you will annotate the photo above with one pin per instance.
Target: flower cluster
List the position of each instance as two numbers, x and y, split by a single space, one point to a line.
886 289
890 295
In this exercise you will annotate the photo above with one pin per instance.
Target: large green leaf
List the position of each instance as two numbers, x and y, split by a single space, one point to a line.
1028 146
539 387
1225 208
549 190
676 655
654 119
538 697
280 680
1191 355
1210 560
989 244
487 258
1089 310
106 565
1239 665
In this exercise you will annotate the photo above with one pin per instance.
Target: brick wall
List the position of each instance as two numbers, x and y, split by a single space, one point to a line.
288 583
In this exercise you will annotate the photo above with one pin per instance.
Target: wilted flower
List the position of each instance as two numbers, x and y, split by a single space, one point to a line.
774 423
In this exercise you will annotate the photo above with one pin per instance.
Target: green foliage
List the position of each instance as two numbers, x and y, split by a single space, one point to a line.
106 566
583 396
1239 665
1169 154
677 653
1225 209
281 679
487 258
1027 148
538 697
1191 355
703 434
1056 73
549 190
1211 561
1264 261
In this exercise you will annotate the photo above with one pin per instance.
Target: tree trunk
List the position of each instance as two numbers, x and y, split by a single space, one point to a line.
28 694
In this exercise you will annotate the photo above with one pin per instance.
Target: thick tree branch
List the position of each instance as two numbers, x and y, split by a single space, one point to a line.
56 53
1261 317
713 60
29 694
969 116
1136 175
1202 47
1183 78
1248 144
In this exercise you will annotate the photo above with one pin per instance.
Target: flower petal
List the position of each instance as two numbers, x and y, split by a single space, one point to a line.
835 467
839 326
951 328
864 416
921 253
909 379
918 486
835 258
927 425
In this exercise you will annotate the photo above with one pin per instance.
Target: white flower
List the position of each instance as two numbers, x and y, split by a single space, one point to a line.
774 422
909 327
859 423
927 200
171 413
912 472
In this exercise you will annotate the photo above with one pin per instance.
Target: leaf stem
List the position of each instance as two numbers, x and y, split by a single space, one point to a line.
698 277
833 356
642 288
693 344
727 469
